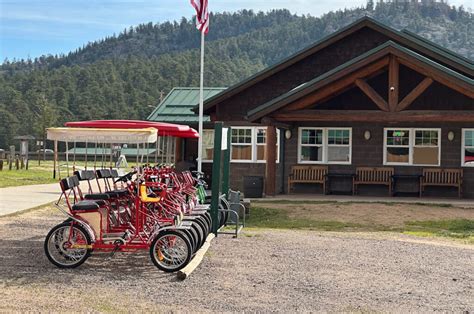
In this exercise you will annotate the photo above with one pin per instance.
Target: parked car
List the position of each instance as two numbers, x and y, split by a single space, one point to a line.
47 151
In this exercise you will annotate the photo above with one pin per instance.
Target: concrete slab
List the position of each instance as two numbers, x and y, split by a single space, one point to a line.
19 198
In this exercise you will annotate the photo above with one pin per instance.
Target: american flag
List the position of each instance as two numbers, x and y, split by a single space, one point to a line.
202 15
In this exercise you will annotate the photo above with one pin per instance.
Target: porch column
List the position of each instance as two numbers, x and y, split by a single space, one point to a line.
270 166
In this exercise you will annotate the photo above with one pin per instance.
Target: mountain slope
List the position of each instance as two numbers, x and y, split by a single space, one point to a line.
122 76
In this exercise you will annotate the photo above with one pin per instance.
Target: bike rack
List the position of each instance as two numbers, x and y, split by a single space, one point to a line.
233 207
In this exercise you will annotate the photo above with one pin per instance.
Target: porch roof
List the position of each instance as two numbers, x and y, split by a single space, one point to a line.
178 104
350 66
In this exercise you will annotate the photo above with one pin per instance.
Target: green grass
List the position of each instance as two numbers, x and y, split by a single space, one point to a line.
279 219
34 175
456 228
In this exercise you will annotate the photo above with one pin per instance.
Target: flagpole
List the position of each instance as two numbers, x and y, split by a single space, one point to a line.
201 105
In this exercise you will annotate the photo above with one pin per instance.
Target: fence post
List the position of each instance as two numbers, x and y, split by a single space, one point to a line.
216 176
1 165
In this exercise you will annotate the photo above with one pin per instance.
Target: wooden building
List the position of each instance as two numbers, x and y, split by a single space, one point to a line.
366 108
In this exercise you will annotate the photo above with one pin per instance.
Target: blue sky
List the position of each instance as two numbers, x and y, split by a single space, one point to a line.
33 28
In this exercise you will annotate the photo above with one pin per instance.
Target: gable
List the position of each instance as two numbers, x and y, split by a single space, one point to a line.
317 59
369 67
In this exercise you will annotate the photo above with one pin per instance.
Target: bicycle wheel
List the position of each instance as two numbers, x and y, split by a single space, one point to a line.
191 234
200 234
170 251
58 245
202 222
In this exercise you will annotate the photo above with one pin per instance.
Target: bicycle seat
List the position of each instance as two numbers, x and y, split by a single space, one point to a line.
86 205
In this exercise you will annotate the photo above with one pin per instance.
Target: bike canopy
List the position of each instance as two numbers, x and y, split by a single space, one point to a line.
164 129
102 135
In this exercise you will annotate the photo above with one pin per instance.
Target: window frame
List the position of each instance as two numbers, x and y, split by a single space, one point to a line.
325 145
251 144
260 161
213 135
411 146
463 147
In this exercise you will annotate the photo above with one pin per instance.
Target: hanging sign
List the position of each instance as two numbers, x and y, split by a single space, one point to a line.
224 138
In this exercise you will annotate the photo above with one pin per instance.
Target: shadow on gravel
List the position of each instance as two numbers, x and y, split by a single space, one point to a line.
24 262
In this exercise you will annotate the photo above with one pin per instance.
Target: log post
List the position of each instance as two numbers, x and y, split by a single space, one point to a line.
270 166
393 84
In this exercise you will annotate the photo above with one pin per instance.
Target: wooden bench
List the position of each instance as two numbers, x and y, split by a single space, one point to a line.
441 177
374 176
308 174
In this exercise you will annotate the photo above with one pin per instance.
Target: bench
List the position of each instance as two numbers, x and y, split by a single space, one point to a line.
308 174
373 176
441 177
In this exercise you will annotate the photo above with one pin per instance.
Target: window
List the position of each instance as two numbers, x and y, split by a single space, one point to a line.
242 144
248 144
468 147
261 140
324 145
398 147
339 145
207 145
412 147
311 149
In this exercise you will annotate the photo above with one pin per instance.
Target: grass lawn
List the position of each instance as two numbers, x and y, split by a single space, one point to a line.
415 219
34 175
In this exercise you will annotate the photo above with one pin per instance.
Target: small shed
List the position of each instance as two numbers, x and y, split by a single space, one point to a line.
24 143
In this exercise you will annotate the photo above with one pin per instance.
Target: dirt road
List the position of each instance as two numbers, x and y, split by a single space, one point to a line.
264 270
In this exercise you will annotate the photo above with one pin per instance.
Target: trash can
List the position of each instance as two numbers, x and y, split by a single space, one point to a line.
253 187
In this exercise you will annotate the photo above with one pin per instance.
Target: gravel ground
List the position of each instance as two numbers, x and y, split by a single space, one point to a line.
263 270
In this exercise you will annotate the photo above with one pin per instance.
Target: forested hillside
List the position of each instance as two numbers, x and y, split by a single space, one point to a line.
122 76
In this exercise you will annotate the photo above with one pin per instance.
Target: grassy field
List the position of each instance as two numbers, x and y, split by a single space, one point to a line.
34 175
414 219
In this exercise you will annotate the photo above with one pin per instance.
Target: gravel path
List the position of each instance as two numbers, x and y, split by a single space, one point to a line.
261 271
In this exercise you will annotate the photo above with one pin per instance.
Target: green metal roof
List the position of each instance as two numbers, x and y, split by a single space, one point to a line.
281 100
106 151
177 105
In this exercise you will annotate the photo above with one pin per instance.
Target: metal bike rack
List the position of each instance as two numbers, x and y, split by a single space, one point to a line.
233 207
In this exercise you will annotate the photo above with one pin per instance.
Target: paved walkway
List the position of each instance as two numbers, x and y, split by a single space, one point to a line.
464 202
19 198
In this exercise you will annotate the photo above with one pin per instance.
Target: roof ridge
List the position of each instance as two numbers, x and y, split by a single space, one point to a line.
437 46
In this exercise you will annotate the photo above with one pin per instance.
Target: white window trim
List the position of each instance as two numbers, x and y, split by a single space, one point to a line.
257 144
411 145
463 148
251 144
325 146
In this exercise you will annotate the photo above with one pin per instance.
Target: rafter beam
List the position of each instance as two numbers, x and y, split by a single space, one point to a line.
270 121
453 83
375 116
343 81
372 94
393 83
414 94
